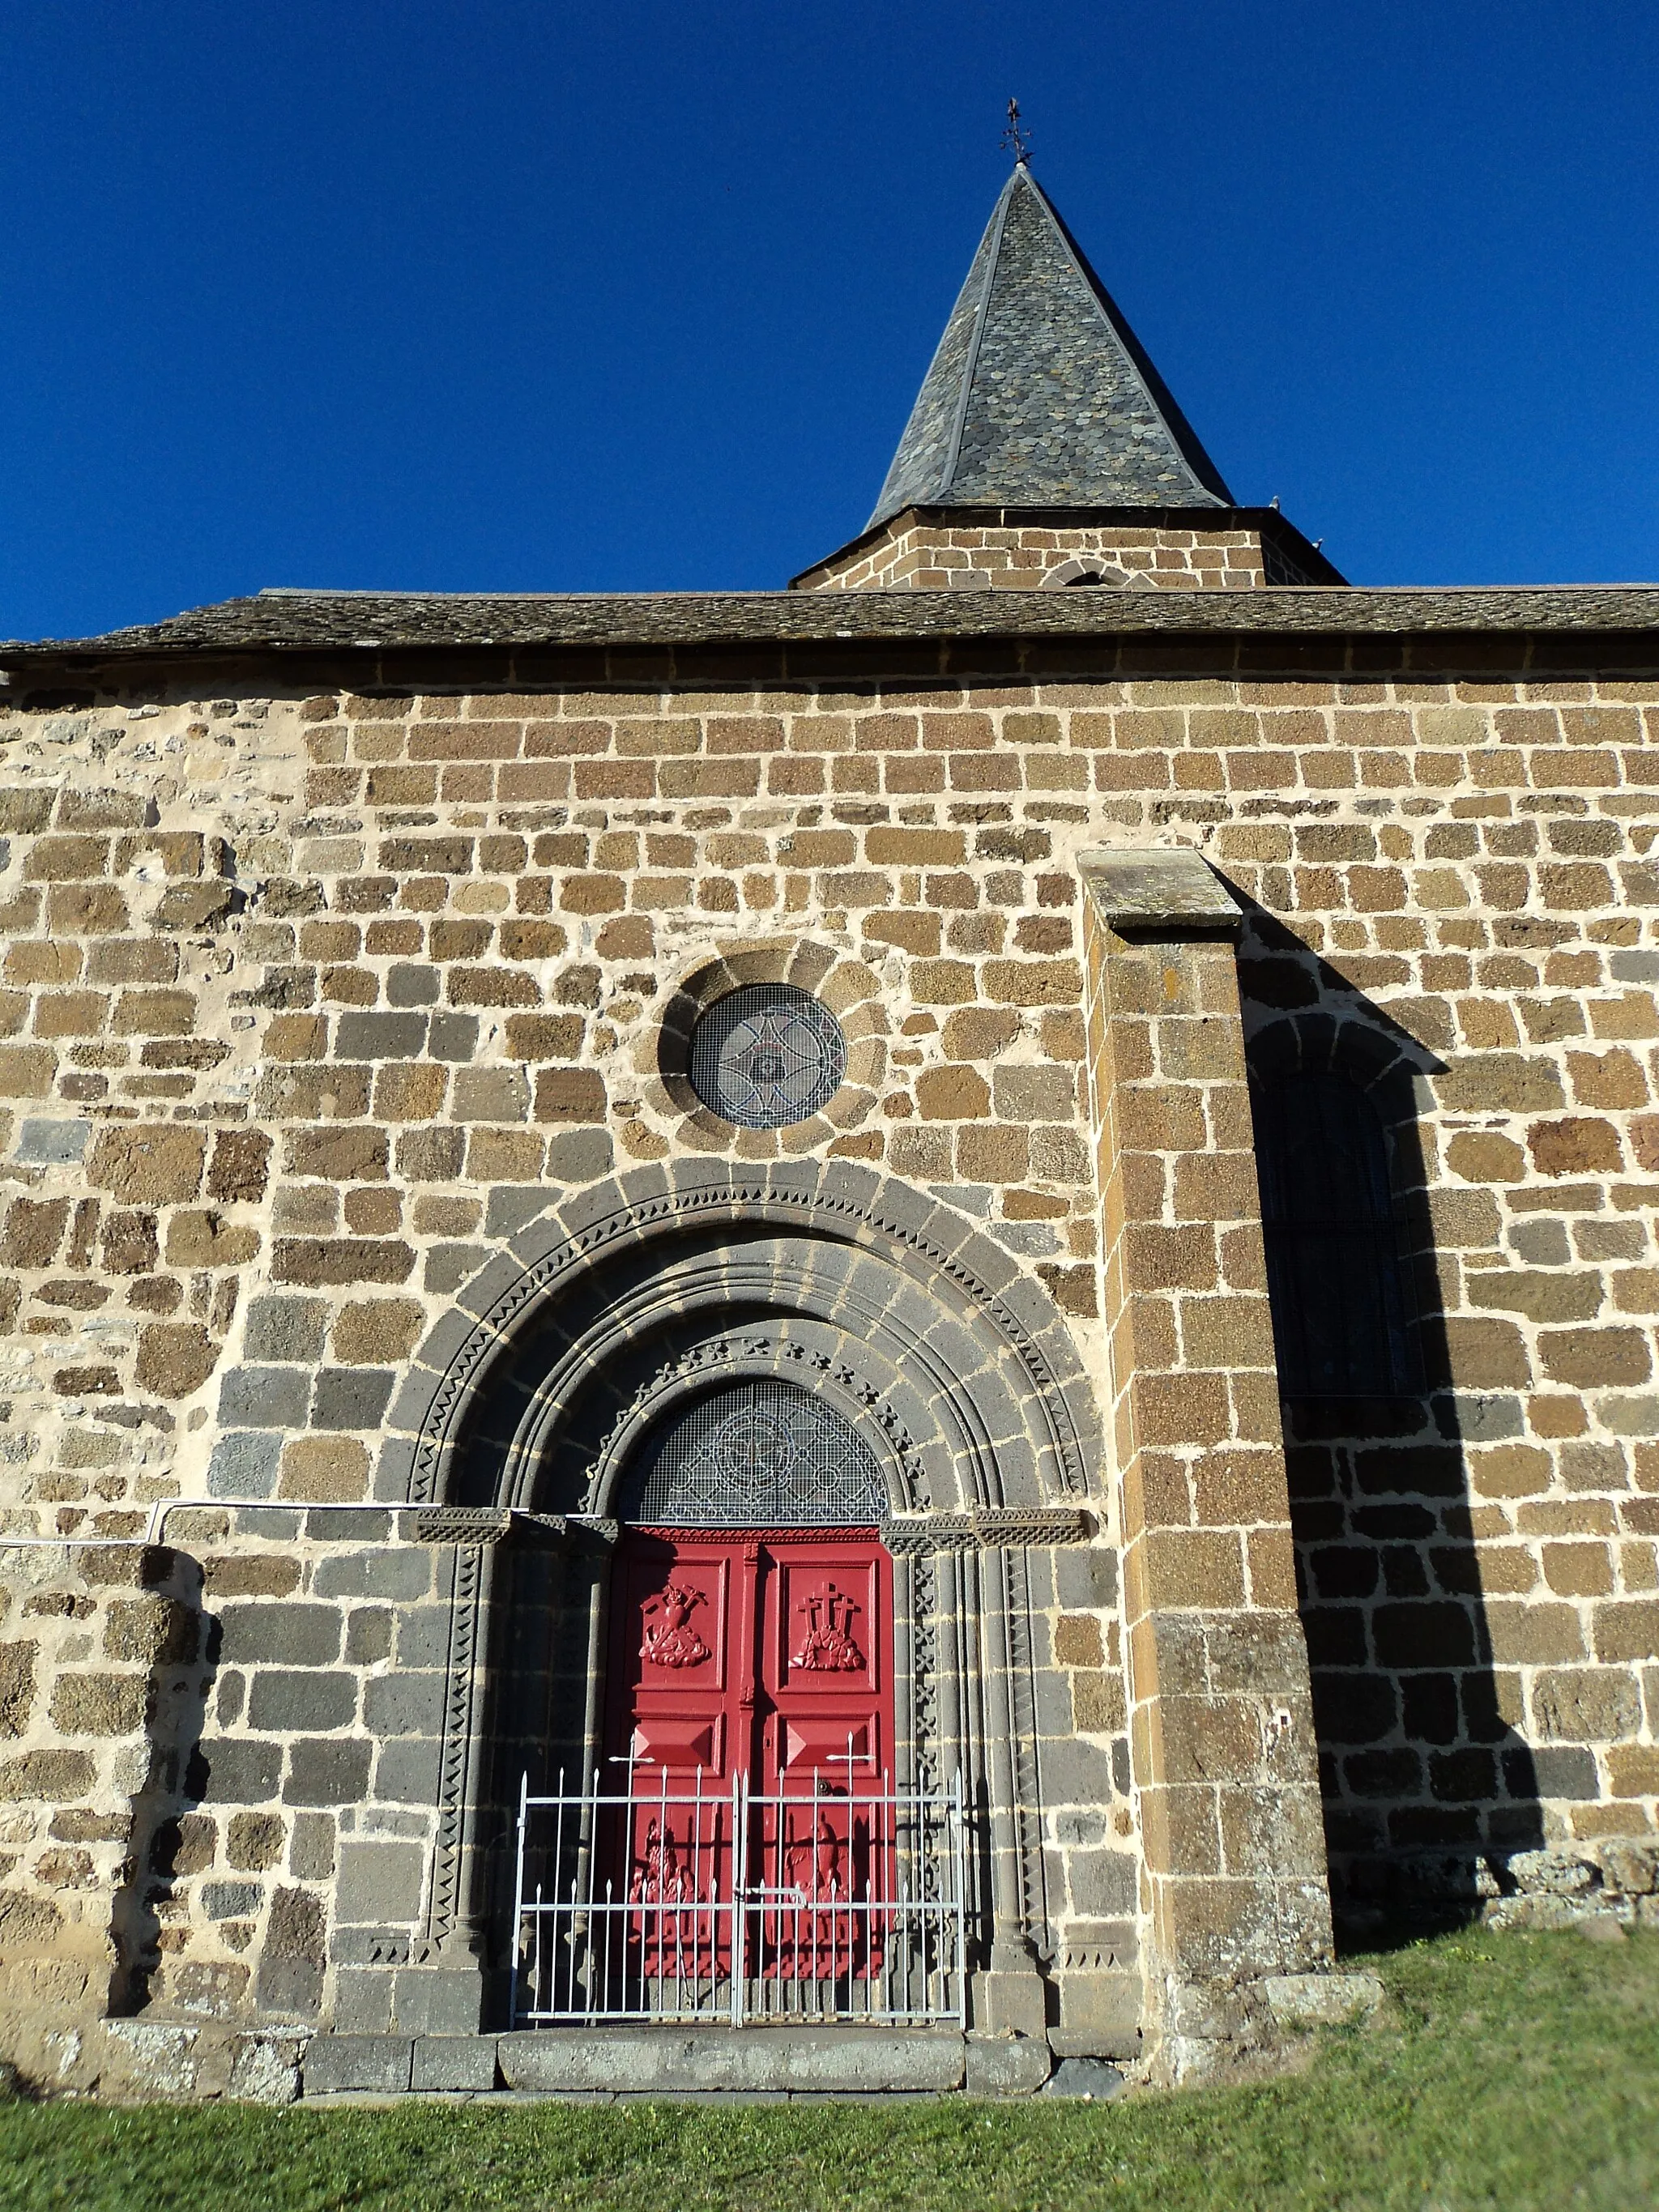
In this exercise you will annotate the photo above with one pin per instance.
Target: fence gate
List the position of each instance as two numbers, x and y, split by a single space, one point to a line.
663 1903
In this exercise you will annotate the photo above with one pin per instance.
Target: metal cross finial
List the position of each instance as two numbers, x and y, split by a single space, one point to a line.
1014 137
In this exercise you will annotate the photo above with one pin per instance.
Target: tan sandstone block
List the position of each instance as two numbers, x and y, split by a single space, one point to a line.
148 1163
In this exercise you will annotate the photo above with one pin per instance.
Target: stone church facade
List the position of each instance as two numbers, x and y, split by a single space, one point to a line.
1102 1137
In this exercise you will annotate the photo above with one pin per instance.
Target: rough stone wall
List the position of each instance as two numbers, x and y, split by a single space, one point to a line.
916 553
101 1681
308 1002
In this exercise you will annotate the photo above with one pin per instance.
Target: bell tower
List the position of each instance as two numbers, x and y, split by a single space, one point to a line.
1045 451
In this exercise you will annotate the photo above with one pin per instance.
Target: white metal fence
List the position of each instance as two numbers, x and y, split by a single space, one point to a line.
662 1902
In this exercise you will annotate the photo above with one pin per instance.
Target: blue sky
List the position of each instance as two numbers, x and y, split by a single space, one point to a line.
413 294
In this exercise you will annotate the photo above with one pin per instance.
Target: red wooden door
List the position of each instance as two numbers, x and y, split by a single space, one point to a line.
765 1658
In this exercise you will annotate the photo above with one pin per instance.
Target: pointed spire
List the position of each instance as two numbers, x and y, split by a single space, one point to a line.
1040 394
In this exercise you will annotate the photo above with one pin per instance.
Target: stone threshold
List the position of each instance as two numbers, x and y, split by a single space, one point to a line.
603 2064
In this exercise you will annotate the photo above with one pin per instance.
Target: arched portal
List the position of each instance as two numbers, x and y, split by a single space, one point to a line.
575 1378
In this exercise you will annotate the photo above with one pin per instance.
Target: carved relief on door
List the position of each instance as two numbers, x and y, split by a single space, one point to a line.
768 1658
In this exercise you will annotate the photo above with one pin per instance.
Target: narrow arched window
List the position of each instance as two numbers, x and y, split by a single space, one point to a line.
1340 1318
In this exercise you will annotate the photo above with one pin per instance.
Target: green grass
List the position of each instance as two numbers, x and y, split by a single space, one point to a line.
1513 2071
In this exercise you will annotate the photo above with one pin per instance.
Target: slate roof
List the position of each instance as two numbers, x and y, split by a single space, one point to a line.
365 622
1040 394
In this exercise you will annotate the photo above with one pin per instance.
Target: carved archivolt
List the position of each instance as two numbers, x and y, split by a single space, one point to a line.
1014 1343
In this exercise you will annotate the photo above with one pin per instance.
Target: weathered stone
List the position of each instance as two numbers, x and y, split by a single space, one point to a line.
151 1631
1094 2080
663 2060
154 1164
99 1705
337 2062
378 1330
175 1358
17 1662
254 1841
1321 2000
45 1777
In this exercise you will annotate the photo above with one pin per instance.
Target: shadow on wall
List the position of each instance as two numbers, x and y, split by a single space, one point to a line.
163 1628
1421 1773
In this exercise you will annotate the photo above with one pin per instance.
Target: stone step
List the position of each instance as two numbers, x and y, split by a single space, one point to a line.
640 2060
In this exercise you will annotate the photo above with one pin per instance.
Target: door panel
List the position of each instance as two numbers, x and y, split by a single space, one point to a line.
771 1659
826 1663
672 1701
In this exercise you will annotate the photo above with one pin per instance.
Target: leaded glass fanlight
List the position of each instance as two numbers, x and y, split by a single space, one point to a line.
767 1056
755 1454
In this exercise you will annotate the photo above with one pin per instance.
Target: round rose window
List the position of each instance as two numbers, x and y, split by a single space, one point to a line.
767 1055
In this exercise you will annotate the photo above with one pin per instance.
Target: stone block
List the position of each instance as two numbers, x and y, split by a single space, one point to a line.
311 1852
231 1771
406 1704
150 1631
351 1400
1588 1705
452 1036
440 2000
1091 2078
1100 2011
244 1464
454 2061
149 1163
362 2001
1103 1883
231 1900
380 1881
1552 1873
286 1635
654 2061
238 1170
1552 1771
45 1777
1086 1575
99 1705
1630 1867
1321 2000
1005 2065
44 1143
282 1328
326 1469
394 1570
265 2069
264 1397
579 1156
375 1332
254 1841
380 1035
406 1772
337 2062
174 1358
340 1154
327 1772
280 1702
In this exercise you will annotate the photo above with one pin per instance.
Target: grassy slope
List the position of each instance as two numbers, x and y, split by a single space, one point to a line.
1515 2071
